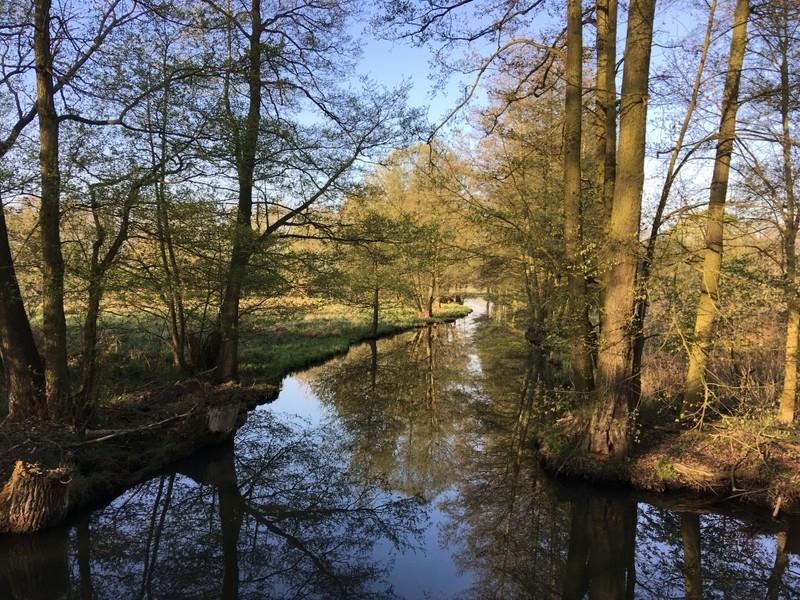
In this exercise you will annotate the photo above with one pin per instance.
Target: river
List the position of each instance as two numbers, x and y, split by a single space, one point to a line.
400 470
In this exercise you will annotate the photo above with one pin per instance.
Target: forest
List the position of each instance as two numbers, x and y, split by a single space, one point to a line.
201 197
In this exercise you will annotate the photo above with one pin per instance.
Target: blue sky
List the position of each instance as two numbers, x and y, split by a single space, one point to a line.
390 63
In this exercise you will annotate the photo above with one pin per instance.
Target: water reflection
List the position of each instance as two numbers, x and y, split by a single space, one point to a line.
410 476
278 518
402 407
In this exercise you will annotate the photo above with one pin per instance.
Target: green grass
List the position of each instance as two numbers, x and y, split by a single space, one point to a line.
134 352
270 351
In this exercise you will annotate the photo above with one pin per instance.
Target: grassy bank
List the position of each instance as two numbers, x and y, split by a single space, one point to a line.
743 456
282 336
270 350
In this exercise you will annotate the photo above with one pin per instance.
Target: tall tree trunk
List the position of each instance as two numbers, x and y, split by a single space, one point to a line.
673 168
98 267
243 237
54 328
789 391
375 310
430 296
228 358
580 347
695 386
177 319
609 430
606 95
788 397
22 365
605 125
175 306
89 361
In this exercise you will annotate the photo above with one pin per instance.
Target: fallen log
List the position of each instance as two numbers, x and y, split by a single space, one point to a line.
101 435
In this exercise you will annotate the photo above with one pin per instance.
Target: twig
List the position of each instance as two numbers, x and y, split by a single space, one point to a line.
138 429
778 503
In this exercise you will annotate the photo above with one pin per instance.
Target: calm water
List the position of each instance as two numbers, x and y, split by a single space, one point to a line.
401 470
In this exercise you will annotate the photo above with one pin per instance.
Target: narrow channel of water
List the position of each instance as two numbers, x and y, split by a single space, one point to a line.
401 470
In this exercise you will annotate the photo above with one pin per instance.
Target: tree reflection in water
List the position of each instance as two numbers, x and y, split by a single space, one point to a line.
416 412
429 429
401 403
281 518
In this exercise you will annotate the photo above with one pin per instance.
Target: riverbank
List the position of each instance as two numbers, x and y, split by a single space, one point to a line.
754 462
135 434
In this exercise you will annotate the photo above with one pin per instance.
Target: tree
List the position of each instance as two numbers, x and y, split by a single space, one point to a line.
418 196
507 197
695 390
609 430
791 220
52 78
581 355
291 62
678 157
54 345
245 147
606 104
22 364
368 254
103 256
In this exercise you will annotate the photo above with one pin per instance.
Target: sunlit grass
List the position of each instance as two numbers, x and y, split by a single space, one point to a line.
271 350
275 340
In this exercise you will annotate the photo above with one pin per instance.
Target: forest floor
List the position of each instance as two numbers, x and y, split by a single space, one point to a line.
728 459
156 420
